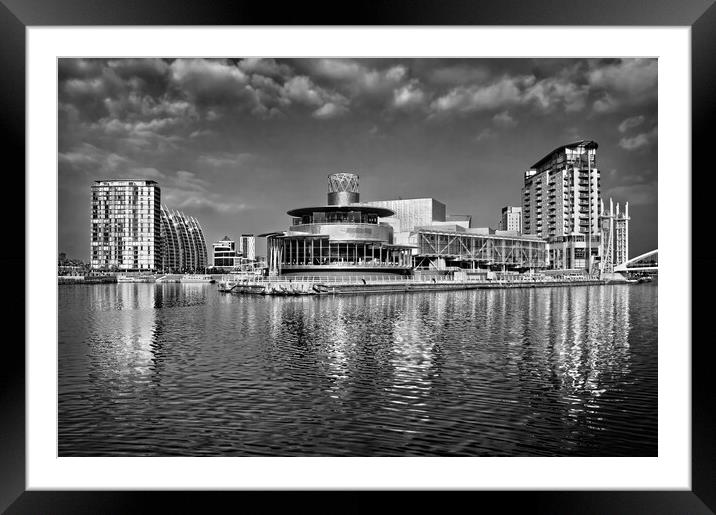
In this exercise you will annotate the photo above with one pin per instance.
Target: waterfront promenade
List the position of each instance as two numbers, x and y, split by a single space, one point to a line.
354 284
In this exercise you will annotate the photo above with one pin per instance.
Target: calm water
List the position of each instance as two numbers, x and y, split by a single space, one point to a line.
172 369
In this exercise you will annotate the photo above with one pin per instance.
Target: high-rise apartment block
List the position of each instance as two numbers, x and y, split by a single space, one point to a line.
125 230
510 219
560 203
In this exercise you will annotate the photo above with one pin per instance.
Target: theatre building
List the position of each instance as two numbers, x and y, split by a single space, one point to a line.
343 237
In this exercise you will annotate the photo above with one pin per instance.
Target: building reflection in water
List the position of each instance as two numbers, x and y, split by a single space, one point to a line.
407 352
480 372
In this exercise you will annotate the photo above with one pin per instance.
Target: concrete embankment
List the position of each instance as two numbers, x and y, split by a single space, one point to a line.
318 288
453 285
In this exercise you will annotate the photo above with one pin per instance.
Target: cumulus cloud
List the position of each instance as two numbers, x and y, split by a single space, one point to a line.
484 134
302 90
457 74
504 120
607 85
509 91
356 78
142 68
636 194
146 173
550 92
630 123
187 192
634 77
641 140
189 180
504 92
225 159
409 96
605 104
264 67
182 121
337 69
623 82
380 81
90 160
330 110
211 89
208 78
201 133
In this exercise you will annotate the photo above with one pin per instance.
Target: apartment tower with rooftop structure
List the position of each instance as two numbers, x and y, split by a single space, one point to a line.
560 203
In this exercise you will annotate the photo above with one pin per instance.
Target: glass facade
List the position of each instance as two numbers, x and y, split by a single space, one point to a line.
324 252
183 244
125 225
480 250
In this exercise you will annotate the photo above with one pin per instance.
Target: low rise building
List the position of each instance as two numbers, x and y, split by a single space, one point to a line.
225 253
440 247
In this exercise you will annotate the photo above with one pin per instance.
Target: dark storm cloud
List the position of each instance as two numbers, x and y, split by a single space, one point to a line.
239 141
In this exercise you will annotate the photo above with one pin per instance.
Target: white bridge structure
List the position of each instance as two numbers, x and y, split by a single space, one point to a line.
647 262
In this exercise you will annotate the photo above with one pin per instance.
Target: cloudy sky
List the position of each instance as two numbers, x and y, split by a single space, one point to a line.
238 142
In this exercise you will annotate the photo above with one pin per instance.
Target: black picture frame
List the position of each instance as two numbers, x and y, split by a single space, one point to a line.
17 15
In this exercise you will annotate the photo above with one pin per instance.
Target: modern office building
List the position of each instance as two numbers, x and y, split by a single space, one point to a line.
560 203
125 225
248 247
225 253
183 244
510 219
344 237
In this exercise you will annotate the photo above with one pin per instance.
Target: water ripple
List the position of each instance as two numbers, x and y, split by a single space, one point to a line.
172 369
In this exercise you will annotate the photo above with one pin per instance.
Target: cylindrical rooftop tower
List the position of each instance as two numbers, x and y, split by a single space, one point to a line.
343 189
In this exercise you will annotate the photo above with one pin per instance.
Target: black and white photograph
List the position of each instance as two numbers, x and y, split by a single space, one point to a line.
334 257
